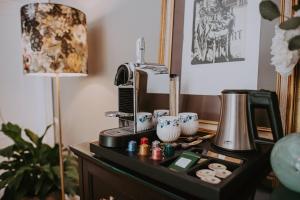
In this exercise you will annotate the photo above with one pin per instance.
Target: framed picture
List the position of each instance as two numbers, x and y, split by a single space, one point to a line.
217 44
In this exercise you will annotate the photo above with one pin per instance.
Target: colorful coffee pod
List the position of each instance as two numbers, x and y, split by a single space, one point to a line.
155 144
205 172
132 146
144 150
144 140
223 173
217 166
169 150
211 179
156 154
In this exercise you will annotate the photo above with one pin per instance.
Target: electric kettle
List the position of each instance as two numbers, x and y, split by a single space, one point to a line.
237 128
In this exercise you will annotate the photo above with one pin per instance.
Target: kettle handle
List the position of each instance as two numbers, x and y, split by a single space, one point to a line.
266 100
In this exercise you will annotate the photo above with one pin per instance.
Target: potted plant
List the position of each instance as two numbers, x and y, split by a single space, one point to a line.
30 169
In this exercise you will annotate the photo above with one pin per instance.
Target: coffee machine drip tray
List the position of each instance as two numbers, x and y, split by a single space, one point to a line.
119 137
117 132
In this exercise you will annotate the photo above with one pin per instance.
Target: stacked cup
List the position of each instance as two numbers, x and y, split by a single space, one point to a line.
144 121
189 123
169 128
159 113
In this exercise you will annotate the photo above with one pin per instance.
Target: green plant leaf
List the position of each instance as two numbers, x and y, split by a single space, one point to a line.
3 184
32 136
53 155
269 10
4 178
33 168
294 43
290 24
6 175
72 173
45 133
48 171
8 194
13 132
20 195
19 174
7 151
47 187
6 165
39 185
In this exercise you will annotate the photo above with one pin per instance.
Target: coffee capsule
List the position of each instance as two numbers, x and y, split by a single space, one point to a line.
132 146
169 150
156 153
144 140
216 166
144 150
155 144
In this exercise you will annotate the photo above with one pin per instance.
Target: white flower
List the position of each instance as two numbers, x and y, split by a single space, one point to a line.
284 59
79 33
59 25
26 45
39 62
45 7
30 11
66 10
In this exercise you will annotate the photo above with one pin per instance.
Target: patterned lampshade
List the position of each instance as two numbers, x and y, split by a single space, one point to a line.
54 39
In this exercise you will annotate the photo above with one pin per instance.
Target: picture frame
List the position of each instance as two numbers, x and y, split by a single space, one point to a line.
172 23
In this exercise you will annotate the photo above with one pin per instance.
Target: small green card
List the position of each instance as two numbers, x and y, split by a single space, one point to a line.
186 160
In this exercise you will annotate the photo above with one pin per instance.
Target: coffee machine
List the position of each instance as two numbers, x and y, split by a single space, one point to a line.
132 80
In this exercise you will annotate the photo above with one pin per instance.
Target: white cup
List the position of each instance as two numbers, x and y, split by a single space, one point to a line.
159 113
189 123
168 128
144 121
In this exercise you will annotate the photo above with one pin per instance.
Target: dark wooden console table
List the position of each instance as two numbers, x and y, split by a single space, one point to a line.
100 179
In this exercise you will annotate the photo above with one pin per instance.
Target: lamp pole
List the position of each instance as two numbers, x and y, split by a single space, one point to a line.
58 131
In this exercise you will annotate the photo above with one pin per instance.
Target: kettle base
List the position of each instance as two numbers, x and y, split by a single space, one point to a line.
233 150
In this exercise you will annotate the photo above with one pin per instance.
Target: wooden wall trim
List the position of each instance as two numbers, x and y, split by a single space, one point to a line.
163 32
286 87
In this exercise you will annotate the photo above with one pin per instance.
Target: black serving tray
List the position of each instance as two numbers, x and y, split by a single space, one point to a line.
243 179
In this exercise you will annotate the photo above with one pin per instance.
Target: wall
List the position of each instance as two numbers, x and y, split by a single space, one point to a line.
266 73
114 26
23 100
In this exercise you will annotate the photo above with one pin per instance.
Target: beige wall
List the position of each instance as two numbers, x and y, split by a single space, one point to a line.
23 100
114 26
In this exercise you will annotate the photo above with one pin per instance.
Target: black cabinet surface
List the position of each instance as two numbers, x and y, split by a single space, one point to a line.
101 179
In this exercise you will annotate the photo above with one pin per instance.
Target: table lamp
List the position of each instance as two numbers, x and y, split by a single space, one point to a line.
54 39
